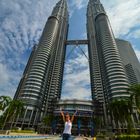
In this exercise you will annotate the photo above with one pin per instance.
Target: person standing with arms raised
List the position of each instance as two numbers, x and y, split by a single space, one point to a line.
68 124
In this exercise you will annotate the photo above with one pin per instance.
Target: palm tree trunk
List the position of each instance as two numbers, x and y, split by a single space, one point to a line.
14 114
16 120
133 122
6 119
24 117
30 118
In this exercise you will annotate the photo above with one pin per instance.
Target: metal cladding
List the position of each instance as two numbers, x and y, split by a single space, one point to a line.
110 70
130 61
106 68
95 72
42 79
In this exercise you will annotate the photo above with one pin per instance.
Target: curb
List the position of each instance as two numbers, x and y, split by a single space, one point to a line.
15 137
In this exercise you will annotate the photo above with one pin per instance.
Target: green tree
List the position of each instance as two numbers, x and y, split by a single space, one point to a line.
120 111
4 102
134 91
114 112
97 123
15 108
48 120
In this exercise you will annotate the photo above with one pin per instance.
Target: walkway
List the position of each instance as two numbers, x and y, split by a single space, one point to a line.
40 138
72 138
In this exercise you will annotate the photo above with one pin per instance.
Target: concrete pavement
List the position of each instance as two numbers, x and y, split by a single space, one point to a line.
42 138
72 138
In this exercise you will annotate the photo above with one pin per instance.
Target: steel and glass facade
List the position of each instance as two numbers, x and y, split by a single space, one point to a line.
108 78
42 79
110 73
113 81
130 61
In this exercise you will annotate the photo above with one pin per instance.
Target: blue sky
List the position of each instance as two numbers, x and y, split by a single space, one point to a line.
21 24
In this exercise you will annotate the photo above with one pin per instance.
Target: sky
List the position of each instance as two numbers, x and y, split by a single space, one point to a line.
21 25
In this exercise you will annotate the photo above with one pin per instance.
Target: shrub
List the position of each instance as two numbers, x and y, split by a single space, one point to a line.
100 136
22 131
129 137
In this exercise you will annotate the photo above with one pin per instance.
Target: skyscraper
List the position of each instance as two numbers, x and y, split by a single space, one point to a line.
108 77
130 61
42 78
110 71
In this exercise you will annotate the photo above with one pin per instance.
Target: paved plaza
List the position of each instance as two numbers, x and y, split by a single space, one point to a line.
49 138
72 138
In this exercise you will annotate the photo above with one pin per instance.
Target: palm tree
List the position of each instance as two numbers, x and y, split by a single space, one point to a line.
18 107
97 123
114 112
15 108
120 111
134 91
4 102
48 120
126 111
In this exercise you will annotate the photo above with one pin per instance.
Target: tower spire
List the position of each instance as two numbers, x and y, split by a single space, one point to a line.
60 9
96 7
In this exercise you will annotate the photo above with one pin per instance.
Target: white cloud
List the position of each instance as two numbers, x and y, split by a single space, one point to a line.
21 24
79 3
4 76
134 34
137 53
77 78
8 80
124 18
76 4
76 85
123 15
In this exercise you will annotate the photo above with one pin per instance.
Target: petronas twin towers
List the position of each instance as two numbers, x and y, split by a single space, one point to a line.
41 83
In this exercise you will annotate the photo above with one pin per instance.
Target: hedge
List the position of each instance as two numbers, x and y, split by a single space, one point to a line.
129 137
22 131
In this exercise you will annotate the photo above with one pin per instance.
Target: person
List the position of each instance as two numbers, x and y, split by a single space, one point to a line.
68 124
79 126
